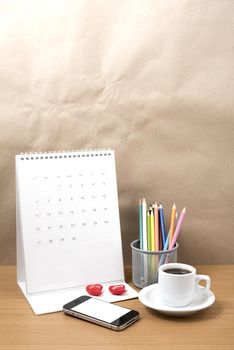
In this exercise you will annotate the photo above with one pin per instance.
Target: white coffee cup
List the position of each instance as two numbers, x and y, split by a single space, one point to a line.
178 284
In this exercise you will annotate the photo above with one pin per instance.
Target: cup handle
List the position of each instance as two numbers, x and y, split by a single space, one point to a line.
202 278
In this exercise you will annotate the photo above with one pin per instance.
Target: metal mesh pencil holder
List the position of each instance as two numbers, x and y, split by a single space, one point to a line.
145 263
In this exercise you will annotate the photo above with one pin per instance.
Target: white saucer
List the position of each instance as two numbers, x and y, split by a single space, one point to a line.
149 296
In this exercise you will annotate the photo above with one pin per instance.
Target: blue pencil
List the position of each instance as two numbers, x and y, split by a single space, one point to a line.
164 256
162 224
166 245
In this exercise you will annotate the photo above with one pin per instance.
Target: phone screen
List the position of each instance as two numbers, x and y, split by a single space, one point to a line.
101 310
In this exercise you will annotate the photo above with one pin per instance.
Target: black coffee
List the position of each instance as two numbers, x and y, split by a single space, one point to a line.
176 271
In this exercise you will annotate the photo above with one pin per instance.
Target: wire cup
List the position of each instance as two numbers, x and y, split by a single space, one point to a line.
145 263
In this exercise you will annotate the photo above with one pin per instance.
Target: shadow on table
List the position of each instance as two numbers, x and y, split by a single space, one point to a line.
210 313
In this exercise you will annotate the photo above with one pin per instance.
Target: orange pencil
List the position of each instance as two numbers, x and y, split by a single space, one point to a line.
172 227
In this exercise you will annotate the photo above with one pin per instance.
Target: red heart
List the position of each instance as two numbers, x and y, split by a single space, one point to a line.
118 289
94 289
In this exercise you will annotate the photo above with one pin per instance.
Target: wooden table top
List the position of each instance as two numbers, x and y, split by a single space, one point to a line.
212 328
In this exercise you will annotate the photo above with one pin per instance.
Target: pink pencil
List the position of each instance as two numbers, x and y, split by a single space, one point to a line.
177 230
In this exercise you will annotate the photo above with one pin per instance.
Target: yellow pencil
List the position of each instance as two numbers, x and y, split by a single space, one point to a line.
172 227
152 230
148 231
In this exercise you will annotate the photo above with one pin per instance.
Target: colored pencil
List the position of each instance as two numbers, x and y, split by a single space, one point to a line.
159 238
156 228
172 227
148 231
178 227
166 245
152 233
162 225
144 224
140 224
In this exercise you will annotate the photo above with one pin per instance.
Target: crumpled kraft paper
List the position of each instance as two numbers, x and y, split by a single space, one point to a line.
151 79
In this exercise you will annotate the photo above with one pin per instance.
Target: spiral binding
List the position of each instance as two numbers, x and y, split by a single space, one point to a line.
66 154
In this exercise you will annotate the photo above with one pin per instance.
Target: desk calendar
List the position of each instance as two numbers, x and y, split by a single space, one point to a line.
68 229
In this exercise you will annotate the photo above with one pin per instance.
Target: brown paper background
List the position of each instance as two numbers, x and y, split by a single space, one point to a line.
151 79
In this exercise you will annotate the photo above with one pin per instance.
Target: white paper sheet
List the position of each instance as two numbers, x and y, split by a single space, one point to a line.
53 302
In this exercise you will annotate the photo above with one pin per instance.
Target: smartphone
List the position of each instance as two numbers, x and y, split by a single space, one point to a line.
101 312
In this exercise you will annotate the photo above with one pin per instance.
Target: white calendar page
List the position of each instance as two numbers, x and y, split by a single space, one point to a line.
68 220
